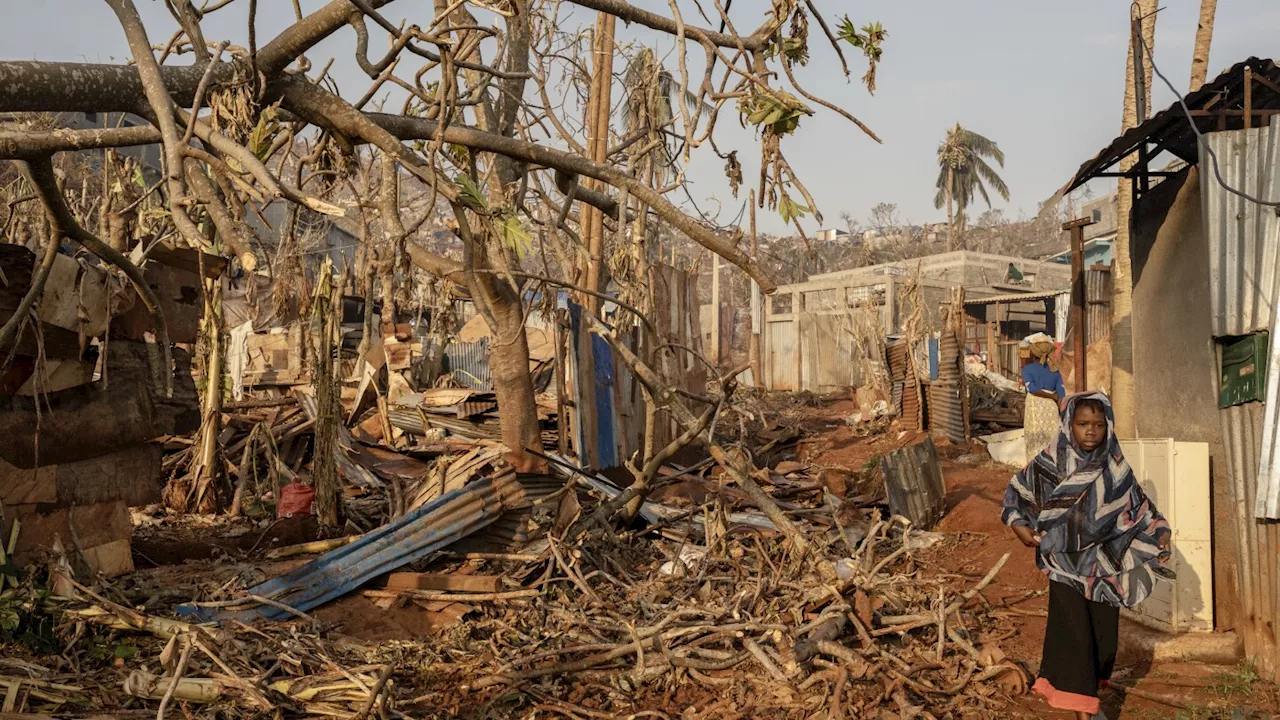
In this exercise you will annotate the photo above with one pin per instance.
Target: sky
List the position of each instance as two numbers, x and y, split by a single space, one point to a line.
1043 79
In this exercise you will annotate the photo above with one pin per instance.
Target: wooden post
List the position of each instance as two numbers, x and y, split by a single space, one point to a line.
993 340
890 305
1248 97
797 307
755 345
1079 318
717 352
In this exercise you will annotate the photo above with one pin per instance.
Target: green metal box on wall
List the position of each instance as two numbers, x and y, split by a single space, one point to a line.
1243 369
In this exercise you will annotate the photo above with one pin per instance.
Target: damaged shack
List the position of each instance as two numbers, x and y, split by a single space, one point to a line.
1203 253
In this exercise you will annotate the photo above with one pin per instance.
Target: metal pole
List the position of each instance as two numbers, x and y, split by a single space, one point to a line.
1078 320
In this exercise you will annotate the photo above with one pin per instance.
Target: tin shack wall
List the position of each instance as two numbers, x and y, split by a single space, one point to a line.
1244 289
1173 348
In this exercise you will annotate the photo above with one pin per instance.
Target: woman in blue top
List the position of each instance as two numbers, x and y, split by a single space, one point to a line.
1044 390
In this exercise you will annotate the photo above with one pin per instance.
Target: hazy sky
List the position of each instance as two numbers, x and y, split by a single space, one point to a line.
1043 79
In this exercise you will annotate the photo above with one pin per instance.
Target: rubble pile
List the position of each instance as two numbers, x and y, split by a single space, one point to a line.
703 604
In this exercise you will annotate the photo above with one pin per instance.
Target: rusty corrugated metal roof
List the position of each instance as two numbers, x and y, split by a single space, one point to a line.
1170 130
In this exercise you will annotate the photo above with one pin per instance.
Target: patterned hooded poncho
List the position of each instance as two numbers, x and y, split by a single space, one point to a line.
1101 532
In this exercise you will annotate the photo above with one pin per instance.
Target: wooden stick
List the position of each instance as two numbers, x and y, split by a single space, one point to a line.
763 658
373 694
453 597
187 647
319 546
903 623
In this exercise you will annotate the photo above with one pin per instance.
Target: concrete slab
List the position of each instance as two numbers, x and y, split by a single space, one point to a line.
1139 644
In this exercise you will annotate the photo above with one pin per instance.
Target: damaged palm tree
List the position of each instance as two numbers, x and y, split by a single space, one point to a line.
207 466
328 391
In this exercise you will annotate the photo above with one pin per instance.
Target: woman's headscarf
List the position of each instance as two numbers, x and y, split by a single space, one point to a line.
1039 347
1101 531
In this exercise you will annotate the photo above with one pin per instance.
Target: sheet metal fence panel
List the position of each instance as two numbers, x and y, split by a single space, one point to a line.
946 407
1267 493
1097 293
1244 249
913 481
469 364
1242 263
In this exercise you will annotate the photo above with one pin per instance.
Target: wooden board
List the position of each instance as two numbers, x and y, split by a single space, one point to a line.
444 582
59 375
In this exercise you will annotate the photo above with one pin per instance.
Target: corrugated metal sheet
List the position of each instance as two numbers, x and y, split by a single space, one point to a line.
946 410
1254 545
913 481
1097 294
1244 248
1243 254
469 364
1013 298
782 348
416 534
1169 127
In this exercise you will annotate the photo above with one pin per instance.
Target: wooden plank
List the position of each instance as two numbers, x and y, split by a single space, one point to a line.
444 582
59 375
187 259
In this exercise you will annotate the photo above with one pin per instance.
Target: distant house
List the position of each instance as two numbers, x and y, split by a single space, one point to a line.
1096 252
832 235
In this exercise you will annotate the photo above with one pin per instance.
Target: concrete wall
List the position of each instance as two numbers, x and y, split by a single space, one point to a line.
1175 364
962 267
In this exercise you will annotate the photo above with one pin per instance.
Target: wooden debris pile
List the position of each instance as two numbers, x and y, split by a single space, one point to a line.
166 665
630 625
726 620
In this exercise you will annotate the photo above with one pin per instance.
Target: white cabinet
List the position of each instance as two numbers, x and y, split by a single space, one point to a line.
1175 475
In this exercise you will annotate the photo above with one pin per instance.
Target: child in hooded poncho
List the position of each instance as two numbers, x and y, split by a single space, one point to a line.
1098 537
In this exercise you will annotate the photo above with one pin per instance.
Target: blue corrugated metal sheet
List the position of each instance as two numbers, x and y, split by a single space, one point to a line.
606 390
417 534
604 377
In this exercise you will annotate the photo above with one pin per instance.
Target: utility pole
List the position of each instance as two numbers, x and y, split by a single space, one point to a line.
597 150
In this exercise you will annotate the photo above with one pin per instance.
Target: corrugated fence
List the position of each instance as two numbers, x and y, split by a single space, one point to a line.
1244 247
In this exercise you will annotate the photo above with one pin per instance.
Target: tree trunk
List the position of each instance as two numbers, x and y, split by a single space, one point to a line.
208 467
1204 37
1122 268
324 465
512 382
951 229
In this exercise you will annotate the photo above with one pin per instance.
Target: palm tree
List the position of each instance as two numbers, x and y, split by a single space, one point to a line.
1204 37
963 173
1122 388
